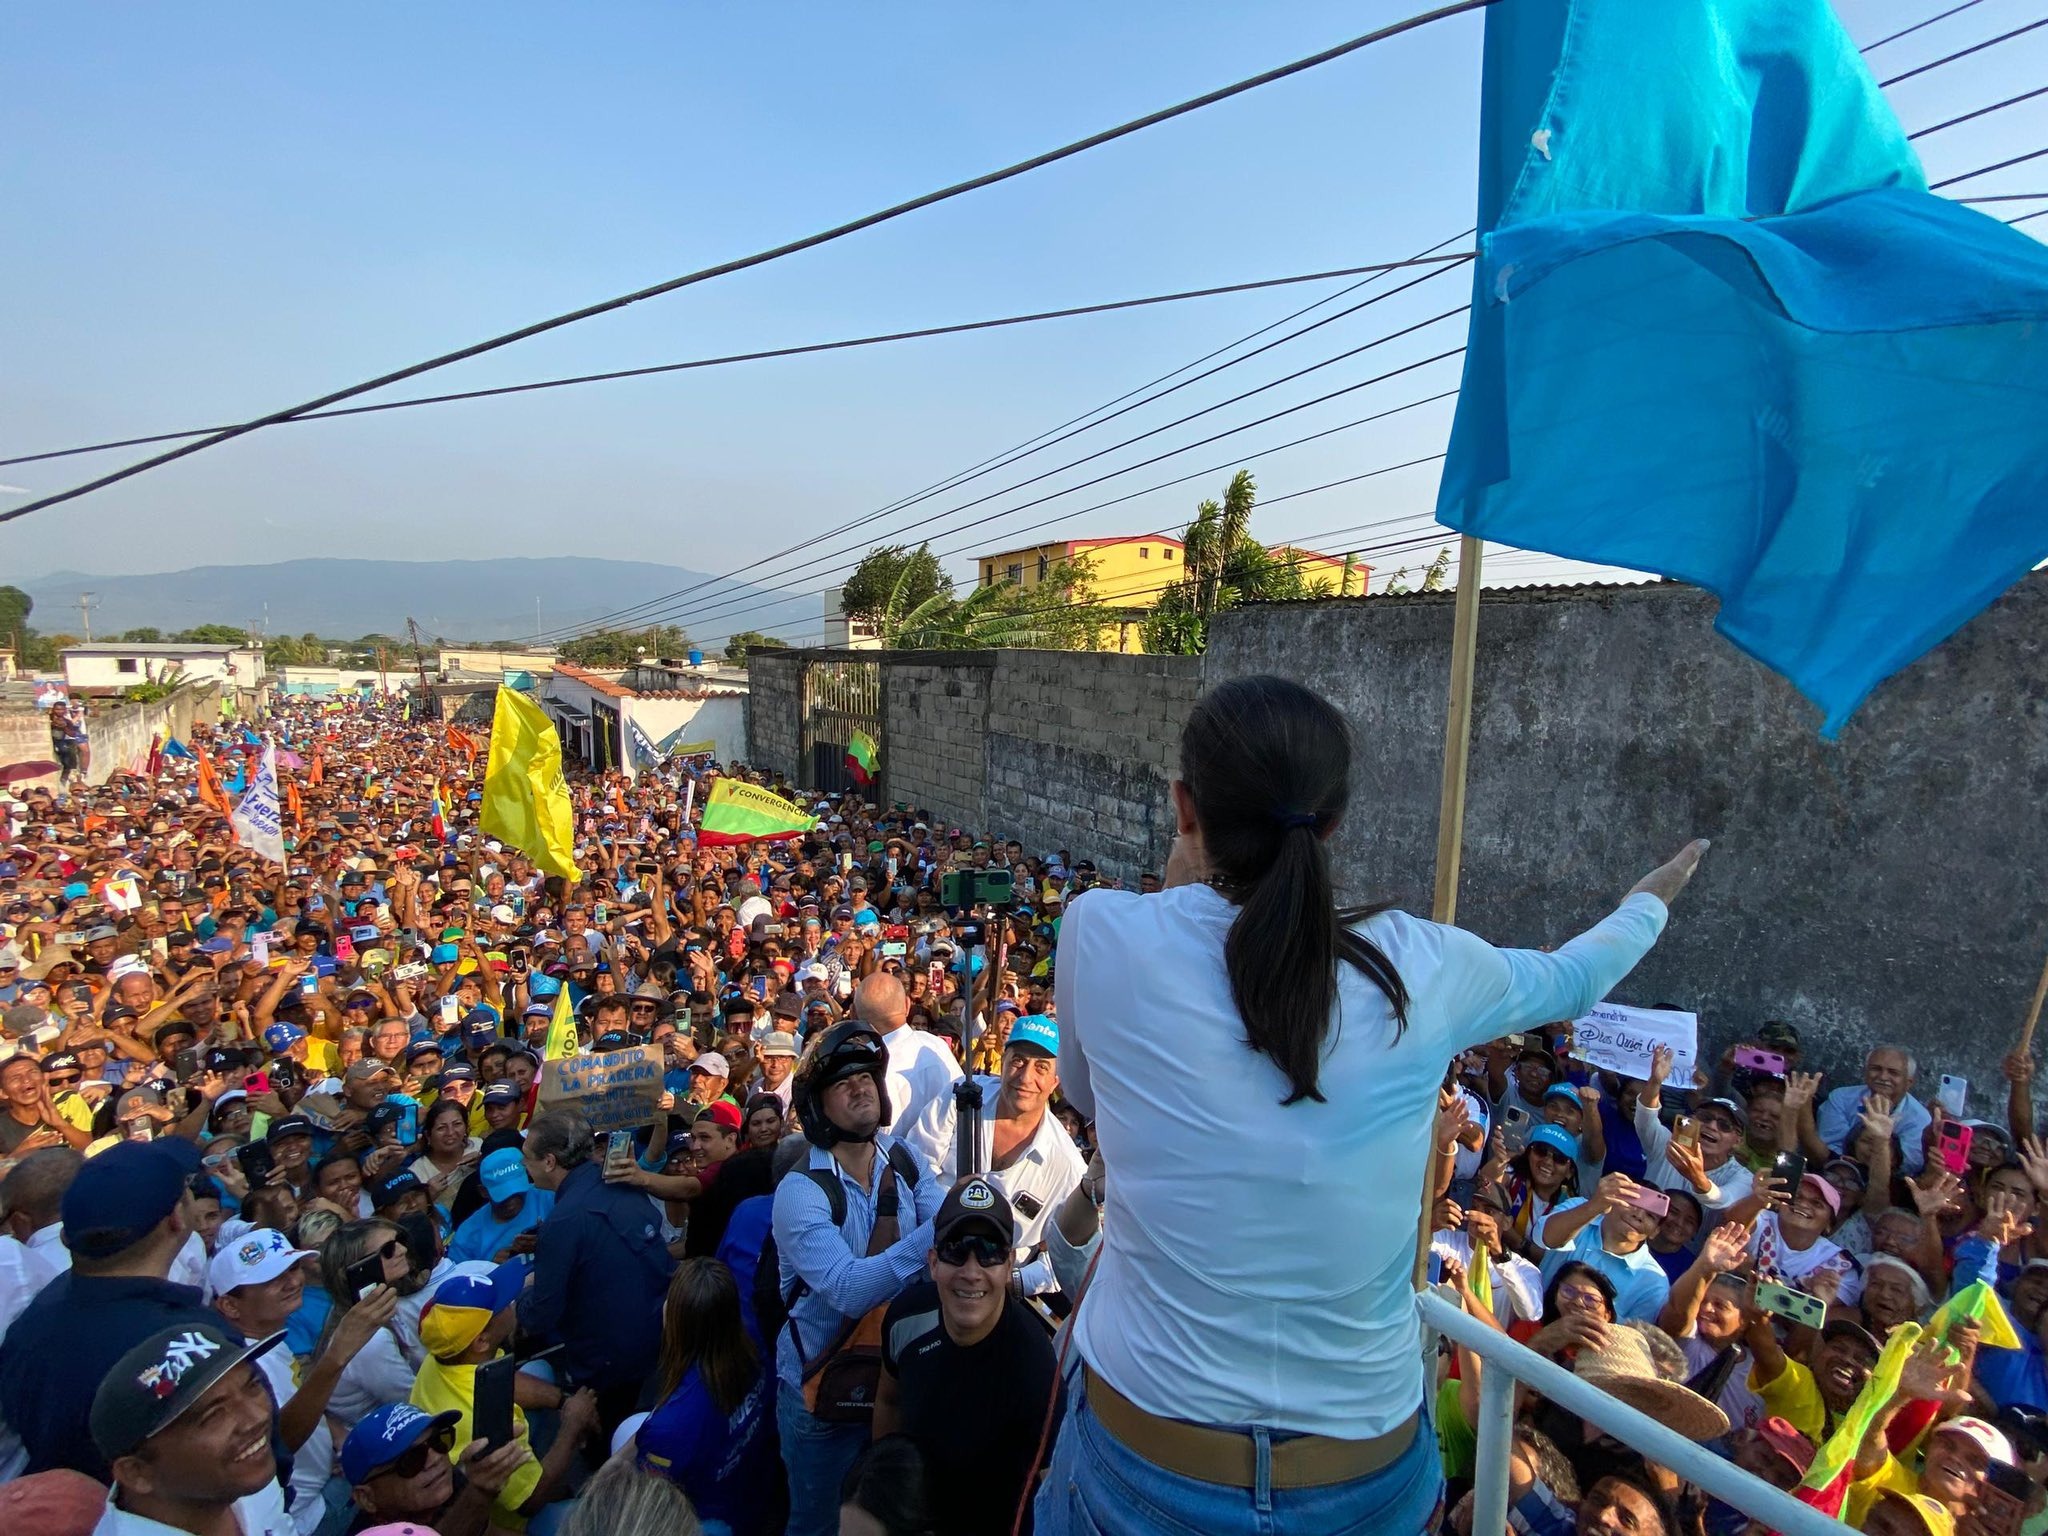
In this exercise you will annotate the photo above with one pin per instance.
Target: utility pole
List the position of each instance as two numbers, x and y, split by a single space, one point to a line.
536 619
85 612
419 661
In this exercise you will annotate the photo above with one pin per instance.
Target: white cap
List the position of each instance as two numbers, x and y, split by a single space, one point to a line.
503 914
10 957
127 965
261 1256
1991 1440
813 972
712 1063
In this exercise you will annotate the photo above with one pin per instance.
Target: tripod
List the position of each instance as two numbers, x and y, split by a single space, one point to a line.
967 1093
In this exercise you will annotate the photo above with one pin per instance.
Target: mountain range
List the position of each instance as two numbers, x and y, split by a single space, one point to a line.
344 599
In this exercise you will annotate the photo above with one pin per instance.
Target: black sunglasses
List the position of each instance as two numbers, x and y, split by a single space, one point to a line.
414 1461
985 1251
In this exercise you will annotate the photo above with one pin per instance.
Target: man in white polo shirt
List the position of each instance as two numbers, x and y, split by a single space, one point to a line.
1025 1151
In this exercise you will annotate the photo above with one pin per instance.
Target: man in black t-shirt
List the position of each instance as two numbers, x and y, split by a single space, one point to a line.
967 1369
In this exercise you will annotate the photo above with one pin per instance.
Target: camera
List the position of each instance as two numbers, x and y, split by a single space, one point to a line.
974 887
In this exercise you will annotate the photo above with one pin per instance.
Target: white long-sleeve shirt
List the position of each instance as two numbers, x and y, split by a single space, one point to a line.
1731 1181
1258 1268
920 1076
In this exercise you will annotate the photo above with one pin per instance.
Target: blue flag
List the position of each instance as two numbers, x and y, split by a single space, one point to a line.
1722 331
176 748
239 782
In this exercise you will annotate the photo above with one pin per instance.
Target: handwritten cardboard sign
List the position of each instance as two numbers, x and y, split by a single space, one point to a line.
614 1090
1617 1038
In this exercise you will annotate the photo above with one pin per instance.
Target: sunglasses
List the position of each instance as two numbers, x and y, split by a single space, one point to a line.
985 1251
414 1461
66 1080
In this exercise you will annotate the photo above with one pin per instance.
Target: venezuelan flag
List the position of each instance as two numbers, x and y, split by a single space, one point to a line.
440 814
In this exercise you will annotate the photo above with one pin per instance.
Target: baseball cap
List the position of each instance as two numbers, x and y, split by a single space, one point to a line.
1930 1512
1828 1193
460 1310
1848 1165
1563 1091
1035 1031
289 1125
504 1171
1991 1440
1733 1108
1776 1032
724 1112
279 1038
974 1204
384 1434
502 1093
1780 1435
1558 1139
1842 1327
777 1042
713 1064
393 1187
455 1072
255 1259
119 1197
162 1378
1006 1006
368 1067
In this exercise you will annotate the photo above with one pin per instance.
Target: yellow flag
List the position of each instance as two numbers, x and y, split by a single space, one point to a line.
526 804
562 1039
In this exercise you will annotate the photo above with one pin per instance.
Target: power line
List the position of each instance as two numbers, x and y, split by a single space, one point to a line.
1953 10
1156 458
807 349
1038 444
1964 53
1949 181
2026 218
2006 197
1996 106
758 258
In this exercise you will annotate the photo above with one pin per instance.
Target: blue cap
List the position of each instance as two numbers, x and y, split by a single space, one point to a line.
540 1010
1558 1139
279 1038
502 1093
504 1174
1563 1091
1035 1030
487 1017
544 986
387 1190
384 1434
118 1198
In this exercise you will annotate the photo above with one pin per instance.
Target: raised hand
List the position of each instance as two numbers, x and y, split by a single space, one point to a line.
1934 1192
1667 880
2034 1160
1801 1088
1661 1059
1726 1247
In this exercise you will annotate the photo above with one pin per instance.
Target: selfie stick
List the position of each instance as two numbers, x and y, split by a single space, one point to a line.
967 1097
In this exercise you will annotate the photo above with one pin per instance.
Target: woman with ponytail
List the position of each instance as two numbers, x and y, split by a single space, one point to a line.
1262 1070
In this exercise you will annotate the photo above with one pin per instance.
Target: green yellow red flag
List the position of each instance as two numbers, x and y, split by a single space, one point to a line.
861 752
562 1041
746 813
526 803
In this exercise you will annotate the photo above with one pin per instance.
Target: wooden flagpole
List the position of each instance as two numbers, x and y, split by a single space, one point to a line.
1450 821
2026 1042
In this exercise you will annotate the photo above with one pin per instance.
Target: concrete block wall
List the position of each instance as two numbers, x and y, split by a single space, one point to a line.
1892 885
1080 749
120 735
935 724
774 715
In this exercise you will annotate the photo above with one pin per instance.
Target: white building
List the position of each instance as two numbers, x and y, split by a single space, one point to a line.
844 634
672 706
108 668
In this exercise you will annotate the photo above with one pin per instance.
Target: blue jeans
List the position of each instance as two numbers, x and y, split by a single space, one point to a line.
818 1456
1096 1486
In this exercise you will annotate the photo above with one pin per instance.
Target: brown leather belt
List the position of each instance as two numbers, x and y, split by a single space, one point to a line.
1230 1456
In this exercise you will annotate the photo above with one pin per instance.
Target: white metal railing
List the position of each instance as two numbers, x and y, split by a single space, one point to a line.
1508 1362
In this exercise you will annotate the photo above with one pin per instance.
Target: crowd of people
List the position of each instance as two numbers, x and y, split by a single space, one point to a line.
300 1241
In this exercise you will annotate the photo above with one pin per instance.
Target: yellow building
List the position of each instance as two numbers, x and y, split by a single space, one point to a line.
1130 572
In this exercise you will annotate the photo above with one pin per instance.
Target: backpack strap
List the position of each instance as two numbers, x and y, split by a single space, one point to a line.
904 1167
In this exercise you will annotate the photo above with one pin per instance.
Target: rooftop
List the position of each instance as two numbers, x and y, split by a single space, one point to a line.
151 648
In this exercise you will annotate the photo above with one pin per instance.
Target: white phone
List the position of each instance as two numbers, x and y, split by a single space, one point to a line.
1953 1094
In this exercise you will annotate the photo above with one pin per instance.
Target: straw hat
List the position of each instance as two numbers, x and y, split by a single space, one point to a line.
1624 1370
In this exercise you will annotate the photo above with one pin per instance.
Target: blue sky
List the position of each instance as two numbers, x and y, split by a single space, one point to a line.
217 210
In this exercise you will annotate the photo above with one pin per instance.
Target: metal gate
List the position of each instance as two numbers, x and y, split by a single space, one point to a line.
840 697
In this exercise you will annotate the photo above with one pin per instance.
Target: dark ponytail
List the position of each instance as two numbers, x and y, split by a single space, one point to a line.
1268 765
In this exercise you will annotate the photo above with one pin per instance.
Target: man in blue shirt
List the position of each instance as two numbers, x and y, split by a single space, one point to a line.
601 1270
491 1235
125 1218
1609 1232
838 1272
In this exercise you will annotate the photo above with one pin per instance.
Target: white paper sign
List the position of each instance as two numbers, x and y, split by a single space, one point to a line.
1620 1039
258 821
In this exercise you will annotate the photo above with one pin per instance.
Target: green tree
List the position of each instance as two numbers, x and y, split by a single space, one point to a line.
1057 613
893 574
15 607
213 634
623 647
1224 566
147 634
42 653
737 646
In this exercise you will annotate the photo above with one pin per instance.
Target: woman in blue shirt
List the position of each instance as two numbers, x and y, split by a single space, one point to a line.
710 1435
